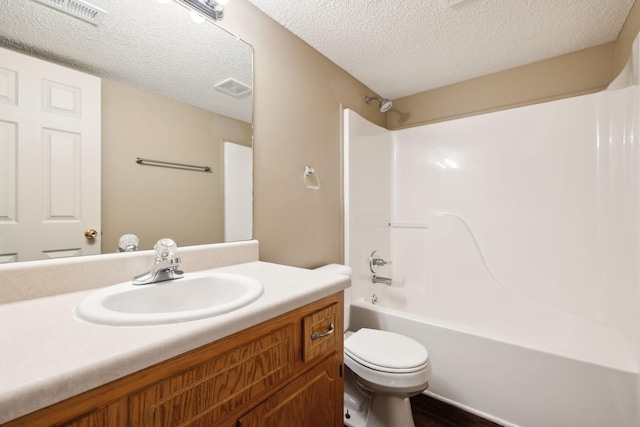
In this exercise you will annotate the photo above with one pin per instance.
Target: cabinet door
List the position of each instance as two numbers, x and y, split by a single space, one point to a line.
313 400
207 394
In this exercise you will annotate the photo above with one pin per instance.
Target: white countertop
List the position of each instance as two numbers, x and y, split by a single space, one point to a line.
46 355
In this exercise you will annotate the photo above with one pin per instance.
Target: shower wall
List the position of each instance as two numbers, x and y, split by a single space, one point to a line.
537 206
367 183
539 201
518 229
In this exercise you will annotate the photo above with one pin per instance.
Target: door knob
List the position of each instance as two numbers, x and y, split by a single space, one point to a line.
90 234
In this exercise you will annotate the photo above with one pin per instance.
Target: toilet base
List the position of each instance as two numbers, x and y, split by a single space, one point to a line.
356 402
388 411
365 409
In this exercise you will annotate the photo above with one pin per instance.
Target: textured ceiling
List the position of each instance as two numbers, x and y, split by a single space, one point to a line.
151 45
403 47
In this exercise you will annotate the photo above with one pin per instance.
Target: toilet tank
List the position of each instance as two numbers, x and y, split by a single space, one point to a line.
343 270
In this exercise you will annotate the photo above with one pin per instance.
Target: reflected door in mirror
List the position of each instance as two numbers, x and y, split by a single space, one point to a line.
238 192
49 159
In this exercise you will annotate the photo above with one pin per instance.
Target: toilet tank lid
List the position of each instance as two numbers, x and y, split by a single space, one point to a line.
342 269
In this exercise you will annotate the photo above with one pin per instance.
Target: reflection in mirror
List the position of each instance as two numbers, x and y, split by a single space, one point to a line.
169 89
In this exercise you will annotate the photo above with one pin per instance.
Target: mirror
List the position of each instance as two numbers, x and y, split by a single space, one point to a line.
172 89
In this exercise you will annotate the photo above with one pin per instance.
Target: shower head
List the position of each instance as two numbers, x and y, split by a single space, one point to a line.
385 104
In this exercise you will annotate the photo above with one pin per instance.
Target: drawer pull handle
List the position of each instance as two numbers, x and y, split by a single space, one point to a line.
316 335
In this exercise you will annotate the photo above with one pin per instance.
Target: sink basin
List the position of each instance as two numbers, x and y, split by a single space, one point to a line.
195 296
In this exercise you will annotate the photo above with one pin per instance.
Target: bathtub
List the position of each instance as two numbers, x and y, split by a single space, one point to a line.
543 370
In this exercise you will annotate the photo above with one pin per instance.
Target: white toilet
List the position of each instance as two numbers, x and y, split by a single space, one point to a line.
383 370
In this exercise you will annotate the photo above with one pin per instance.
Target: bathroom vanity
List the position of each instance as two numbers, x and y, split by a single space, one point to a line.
279 358
273 370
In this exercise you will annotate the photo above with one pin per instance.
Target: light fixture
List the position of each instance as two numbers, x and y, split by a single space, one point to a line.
208 8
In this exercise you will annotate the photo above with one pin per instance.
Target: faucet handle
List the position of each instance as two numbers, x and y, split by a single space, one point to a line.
376 261
128 243
165 248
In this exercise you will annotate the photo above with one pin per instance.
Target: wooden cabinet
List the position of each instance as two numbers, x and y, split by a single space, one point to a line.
284 372
309 401
320 333
204 394
111 415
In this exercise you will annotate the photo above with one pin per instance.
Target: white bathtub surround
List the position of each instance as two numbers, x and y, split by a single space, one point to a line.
515 234
48 355
367 187
507 383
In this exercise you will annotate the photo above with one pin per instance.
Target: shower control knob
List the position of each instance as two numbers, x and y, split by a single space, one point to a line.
376 261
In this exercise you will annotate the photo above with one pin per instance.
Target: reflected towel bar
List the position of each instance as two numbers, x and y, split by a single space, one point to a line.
140 161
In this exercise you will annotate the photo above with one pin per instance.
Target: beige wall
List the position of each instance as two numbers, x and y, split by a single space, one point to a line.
573 74
155 202
298 99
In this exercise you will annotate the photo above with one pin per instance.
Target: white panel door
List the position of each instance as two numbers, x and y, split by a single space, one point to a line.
238 192
49 159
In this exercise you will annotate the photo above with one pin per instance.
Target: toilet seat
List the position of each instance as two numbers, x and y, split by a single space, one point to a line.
386 351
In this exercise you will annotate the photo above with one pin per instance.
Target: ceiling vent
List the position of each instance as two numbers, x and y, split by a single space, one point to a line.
78 8
233 87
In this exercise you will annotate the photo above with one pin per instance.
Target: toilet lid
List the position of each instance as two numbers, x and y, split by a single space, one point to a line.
384 350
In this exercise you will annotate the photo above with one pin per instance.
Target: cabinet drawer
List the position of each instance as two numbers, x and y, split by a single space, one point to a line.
320 332
207 393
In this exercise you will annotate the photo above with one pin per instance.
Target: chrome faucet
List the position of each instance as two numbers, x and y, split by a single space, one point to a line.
380 279
374 262
165 267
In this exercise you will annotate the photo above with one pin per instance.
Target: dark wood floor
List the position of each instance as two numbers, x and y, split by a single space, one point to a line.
430 412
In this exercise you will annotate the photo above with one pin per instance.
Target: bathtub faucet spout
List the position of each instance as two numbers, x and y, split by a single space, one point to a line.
380 279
